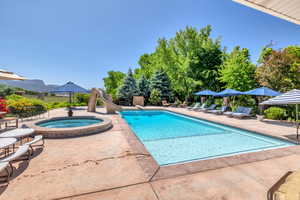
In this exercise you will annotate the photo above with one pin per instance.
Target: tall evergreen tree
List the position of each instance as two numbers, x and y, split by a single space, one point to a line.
143 87
160 81
128 89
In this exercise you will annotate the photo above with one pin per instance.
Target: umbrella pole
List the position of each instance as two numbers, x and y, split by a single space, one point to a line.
297 123
70 112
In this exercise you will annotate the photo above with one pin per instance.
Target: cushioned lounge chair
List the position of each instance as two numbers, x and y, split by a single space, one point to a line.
219 112
4 170
35 140
229 113
211 107
197 105
17 156
246 112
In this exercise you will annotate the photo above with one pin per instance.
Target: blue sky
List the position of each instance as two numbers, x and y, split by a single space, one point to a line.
80 40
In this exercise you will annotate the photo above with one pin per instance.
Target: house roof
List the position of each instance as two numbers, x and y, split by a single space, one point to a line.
286 9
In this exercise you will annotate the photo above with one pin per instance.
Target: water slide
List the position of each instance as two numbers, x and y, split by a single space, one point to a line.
111 108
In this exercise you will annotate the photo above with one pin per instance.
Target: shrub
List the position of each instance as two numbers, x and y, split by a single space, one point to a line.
24 107
82 99
3 105
275 113
155 97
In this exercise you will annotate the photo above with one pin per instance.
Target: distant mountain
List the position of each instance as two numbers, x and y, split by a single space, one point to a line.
35 85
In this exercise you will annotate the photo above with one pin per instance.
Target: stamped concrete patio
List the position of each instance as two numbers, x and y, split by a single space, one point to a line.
109 165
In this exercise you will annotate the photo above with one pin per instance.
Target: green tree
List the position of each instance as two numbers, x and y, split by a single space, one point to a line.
237 71
191 60
112 82
143 87
155 97
128 89
160 81
280 69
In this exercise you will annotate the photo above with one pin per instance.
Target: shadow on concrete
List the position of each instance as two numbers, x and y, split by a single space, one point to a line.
36 151
19 168
279 123
293 137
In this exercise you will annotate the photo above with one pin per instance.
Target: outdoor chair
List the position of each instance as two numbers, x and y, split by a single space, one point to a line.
17 156
287 187
165 103
4 170
196 105
35 140
219 112
246 112
238 110
183 105
211 107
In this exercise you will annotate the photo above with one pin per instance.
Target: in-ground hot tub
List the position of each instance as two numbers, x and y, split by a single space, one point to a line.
62 127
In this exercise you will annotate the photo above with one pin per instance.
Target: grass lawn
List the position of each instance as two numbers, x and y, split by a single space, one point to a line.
49 99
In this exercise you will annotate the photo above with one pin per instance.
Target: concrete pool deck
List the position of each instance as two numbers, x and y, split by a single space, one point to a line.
107 166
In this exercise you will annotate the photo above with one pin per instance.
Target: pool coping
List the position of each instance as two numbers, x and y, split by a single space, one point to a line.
156 172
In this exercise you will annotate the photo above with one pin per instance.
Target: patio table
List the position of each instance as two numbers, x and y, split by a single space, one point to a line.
18 133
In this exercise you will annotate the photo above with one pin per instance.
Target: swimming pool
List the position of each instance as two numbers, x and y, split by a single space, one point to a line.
173 138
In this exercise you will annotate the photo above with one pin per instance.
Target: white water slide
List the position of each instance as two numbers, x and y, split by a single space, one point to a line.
111 108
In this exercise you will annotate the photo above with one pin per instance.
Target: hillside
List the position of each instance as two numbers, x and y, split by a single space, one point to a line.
35 85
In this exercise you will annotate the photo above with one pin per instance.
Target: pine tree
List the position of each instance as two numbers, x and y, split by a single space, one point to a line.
143 87
128 88
161 82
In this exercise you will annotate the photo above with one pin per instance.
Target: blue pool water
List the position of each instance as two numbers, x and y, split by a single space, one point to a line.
69 123
172 138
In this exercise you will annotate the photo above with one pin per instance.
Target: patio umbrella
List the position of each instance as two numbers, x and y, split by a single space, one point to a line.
205 93
5 75
228 93
70 88
263 91
291 97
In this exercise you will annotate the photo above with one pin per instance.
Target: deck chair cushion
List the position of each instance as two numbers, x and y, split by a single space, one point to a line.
20 152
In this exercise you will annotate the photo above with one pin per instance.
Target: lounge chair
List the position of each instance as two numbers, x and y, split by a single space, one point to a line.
22 150
4 169
211 107
197 105
183 105
246 112
229 113
35 140
219 112
165 103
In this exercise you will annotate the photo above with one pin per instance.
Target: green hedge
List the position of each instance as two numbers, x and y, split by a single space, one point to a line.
275 113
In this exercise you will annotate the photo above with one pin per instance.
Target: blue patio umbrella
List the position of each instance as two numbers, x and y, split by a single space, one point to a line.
70 88
263 91
228 93
205 93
